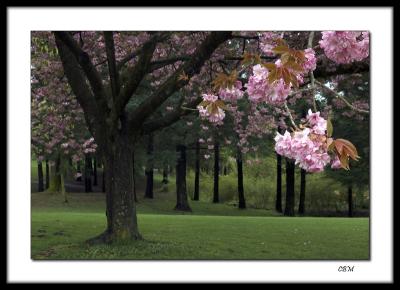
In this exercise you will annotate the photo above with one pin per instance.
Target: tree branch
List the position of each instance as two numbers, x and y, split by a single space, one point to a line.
84 61
342 98
174 82
312 80
136 75
110 51
78 84
172 117
159 36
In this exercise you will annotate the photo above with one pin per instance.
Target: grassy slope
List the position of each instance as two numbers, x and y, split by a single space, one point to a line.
210 232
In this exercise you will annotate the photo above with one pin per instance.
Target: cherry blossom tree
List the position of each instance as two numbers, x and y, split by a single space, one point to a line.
129 84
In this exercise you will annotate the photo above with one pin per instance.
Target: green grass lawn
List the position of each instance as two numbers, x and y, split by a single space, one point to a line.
210 232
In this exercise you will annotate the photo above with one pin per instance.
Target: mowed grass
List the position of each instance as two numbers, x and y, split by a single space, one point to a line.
211 231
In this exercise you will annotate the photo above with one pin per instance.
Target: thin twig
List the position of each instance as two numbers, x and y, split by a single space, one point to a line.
290 116
337 95
312 79
186 108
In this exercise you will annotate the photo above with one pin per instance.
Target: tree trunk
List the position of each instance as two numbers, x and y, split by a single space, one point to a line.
181 194
103 185
95 171
302 191
239 162
78 170
121 208
278 202
47 174
40 176
149 172
196 195
55 179
63 192
133 177
216 172
289 205
350 200
165 174
88 173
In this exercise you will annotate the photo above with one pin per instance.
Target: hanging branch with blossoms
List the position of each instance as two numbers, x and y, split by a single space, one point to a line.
310 144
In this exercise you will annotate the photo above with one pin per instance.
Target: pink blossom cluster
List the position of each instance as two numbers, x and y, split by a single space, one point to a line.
215 118
89 146
308 146
268 42
345 46
311 63
259 89
232 94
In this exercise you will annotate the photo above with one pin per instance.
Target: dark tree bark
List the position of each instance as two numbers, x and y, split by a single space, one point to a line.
181 194
134 179
103 184
78 170
47 174
350 200
165 174
40 176
216 172
225 170
114 126
88 173
120 204
95 171
289 205
149 171
239 162
302 191
278 202
196 195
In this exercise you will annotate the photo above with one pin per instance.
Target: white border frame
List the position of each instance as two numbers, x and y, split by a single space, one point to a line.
21 21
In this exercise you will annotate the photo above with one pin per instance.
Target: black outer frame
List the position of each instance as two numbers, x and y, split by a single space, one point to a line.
118 3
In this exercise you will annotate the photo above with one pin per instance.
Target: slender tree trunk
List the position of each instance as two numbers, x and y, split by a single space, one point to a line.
63 192
239 162
95 171
289 205
350 200
302 191
103 185
47 174
78 170
40 176
165 174
55 179
149 172
133 176
181 194
121 207
216 172
278 202
88 173
225 170
196 195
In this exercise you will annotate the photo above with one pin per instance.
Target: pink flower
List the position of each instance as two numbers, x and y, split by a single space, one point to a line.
206 156
345 46
201 140
259 89
336 163
311 62
232 94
